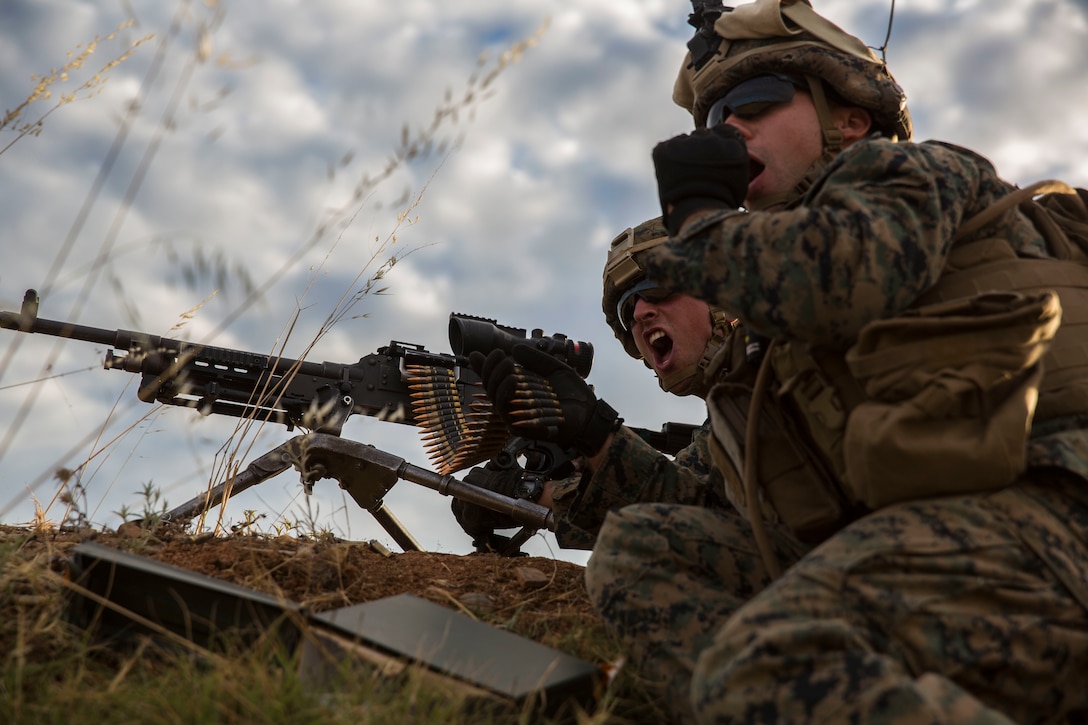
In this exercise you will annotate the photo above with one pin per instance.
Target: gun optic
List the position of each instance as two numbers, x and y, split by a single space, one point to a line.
470 334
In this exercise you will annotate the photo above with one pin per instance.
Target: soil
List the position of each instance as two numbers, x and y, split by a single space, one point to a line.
545 596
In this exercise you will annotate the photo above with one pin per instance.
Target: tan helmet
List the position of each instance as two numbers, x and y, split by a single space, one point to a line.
622 272
788 37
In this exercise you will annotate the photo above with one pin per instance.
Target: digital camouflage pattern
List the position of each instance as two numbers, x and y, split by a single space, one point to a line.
633 471
957 609
863 244
661 575
868 239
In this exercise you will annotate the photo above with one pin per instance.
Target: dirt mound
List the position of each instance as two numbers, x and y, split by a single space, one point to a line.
546 597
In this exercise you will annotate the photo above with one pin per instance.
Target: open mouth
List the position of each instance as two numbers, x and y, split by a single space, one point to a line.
755 168
661 344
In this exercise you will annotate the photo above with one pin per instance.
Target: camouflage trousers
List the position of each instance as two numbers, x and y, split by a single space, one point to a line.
966 609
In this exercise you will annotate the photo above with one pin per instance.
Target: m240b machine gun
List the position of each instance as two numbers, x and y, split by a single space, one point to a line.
400 383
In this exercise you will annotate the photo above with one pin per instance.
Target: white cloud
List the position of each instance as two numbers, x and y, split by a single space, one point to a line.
512 226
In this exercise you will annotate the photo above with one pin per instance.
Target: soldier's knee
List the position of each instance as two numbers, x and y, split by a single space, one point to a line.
608 557
710 692
627 544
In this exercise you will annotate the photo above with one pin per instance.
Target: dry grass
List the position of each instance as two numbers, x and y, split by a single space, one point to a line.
53 669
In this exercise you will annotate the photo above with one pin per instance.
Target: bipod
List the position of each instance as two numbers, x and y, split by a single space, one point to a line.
366 473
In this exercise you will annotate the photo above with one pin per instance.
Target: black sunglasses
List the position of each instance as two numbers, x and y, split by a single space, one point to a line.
646 290
752 97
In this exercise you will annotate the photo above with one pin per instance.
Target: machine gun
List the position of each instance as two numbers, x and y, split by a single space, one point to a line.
400 383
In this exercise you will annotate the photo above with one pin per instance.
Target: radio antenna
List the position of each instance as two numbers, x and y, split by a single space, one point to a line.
887 37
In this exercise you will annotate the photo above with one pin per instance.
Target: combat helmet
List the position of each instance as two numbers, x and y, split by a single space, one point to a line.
787 37
623 273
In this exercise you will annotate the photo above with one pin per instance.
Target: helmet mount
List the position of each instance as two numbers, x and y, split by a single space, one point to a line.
733 44
704 44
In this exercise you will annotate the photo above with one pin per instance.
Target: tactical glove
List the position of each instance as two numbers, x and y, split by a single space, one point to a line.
543 398
705 169
476 520
480 522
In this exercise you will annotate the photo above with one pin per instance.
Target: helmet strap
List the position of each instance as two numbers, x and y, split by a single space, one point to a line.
832 145
832 135
668 383
703 372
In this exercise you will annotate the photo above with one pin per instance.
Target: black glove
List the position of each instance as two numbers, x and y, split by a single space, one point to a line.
479 522
476 520
705 169
542 398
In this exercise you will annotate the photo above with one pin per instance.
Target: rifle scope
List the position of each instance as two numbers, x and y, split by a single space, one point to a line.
470 334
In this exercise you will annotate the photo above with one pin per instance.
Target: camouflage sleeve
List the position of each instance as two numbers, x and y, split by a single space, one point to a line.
633 471
567 535
865 241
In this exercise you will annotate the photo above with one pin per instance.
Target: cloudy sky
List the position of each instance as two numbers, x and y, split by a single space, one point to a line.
253 146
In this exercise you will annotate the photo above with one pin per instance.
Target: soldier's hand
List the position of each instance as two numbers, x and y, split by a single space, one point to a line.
478 521
704 169
542 398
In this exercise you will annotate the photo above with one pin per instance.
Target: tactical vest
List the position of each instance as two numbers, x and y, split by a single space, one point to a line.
937 401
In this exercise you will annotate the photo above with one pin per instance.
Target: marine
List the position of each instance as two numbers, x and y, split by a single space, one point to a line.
692 344
922 556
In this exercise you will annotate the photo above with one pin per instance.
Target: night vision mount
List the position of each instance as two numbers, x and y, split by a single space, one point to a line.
704 44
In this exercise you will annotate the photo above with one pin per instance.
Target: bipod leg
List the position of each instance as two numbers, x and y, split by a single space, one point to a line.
276 461
363 476
513 547
394 528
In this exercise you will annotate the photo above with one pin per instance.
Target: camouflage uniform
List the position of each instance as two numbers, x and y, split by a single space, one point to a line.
956 609
632 471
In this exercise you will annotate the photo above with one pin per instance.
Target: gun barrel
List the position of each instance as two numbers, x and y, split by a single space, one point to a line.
27 320
524 512
18 321
134 341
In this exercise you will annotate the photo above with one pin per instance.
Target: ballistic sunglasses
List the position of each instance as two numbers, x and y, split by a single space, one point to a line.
645 290
752 97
